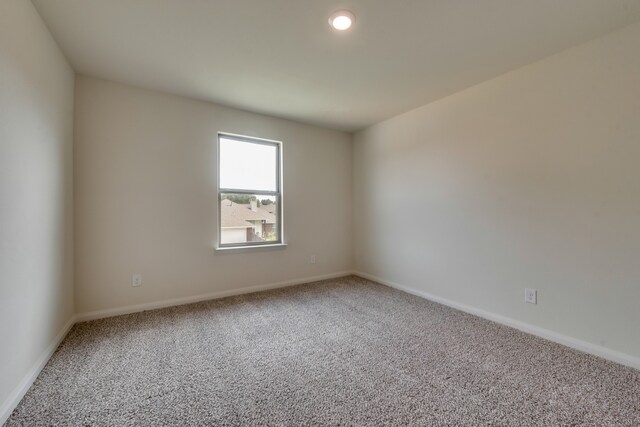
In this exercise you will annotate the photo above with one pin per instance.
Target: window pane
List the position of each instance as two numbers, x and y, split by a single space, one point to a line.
248 218
247 166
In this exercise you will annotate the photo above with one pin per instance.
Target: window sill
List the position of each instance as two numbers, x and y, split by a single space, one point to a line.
235 249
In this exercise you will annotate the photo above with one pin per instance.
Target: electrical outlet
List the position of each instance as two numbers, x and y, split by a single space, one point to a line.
136 280
312 259
530 296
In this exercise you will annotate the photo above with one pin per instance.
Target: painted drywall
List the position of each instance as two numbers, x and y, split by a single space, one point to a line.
36 193
528 180
146 202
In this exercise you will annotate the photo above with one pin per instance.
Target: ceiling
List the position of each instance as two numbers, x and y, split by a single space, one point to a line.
280 57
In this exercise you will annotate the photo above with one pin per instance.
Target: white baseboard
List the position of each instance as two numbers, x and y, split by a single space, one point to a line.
584 346
21 389
100 314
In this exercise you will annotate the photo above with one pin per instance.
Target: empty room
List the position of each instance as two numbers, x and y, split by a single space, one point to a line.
319 213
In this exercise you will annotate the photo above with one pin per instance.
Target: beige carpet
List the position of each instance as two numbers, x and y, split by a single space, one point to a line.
337 352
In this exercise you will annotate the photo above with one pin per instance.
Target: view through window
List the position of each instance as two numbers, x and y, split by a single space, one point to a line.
249 194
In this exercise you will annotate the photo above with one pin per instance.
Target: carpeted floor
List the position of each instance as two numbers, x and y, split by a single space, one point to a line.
338 352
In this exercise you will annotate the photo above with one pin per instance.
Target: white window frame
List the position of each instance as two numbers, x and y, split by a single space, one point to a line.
277 193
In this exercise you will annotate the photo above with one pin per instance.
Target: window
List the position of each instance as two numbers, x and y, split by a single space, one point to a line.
249 191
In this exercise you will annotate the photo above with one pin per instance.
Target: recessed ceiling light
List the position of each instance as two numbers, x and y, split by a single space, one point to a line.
342 20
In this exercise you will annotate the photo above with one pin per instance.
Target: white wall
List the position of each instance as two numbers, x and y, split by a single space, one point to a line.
145 174
36 193
528 180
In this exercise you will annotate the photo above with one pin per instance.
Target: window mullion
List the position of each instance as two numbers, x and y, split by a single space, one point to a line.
242 191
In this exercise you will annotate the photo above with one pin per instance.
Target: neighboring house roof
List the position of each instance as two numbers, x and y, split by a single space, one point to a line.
236 215
270 208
